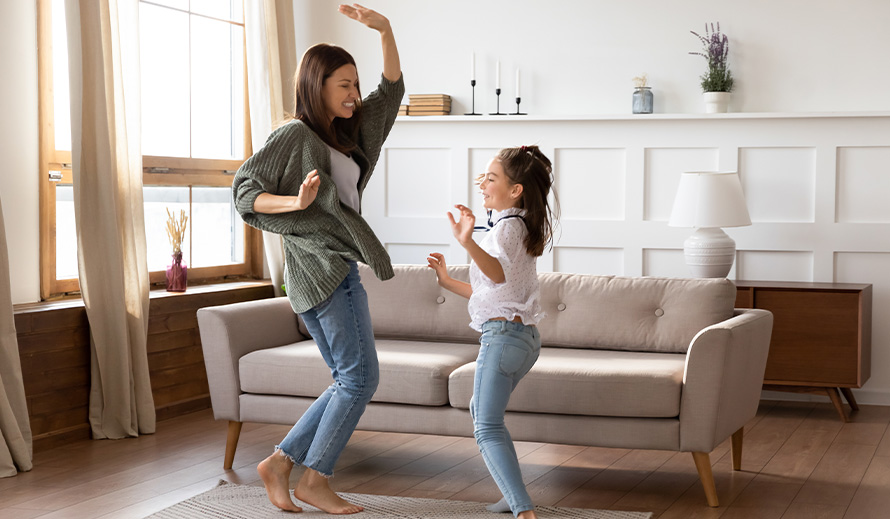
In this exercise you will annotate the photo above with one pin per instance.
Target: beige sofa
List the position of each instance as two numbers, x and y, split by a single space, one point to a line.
639 363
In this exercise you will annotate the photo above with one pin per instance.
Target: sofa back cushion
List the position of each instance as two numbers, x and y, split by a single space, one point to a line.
583 311
413 306
631 313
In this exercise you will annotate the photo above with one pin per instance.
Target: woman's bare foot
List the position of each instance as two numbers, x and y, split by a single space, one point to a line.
313 488
275 471
528 514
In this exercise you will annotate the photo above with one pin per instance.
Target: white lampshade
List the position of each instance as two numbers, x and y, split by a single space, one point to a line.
708 201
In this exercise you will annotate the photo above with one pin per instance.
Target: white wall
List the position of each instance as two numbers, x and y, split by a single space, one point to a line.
18 146
578 56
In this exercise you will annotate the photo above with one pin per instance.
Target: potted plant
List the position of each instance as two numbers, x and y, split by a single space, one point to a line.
717 82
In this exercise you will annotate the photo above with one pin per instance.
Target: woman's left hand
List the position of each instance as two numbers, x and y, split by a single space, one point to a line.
369 17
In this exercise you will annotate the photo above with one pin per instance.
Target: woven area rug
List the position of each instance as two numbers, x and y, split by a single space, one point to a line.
230 501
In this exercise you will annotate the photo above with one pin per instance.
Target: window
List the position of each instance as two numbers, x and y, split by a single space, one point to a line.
195 134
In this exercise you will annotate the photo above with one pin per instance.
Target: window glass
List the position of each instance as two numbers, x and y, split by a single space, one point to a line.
157 201
61 98
66 235
164 44
217 229
217 113
222 9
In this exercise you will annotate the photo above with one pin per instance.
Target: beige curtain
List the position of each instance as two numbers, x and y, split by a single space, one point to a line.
103 46
15 429
271 63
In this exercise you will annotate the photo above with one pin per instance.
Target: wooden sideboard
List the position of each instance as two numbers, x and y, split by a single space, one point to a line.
821 341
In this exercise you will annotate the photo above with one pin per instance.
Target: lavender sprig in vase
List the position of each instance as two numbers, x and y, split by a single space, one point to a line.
717 82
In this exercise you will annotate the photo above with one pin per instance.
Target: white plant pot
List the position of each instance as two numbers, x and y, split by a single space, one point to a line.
716 102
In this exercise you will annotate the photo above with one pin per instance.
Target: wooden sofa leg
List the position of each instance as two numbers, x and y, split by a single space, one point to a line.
737 449
232 443
703 465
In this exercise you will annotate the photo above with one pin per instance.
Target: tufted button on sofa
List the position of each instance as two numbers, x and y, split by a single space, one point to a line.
638 363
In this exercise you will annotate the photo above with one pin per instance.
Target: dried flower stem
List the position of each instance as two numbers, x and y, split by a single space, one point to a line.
176 230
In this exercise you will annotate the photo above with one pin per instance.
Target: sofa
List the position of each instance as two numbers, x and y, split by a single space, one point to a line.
626 362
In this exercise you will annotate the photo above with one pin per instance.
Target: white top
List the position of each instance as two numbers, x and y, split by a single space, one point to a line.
345 173
518 296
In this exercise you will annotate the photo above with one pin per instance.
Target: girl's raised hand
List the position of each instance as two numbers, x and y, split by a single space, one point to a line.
436 261
369 17
463 229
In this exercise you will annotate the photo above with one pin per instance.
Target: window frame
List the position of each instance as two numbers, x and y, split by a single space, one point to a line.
156 171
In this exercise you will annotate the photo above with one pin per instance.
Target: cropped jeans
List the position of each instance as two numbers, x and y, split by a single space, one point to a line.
508 351
341 326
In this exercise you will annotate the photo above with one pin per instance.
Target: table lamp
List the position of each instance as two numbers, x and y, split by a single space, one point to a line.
707 201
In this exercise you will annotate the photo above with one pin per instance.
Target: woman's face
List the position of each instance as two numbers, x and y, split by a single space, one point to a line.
340 92
497 191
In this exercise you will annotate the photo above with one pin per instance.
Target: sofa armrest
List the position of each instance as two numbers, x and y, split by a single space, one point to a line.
229 332
723 379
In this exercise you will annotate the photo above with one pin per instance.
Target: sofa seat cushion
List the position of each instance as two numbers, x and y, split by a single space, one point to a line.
411 372
590 382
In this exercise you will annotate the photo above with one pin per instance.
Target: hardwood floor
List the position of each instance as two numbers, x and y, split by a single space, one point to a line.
799 461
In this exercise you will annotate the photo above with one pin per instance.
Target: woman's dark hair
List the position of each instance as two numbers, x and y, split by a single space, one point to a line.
318 63
526 165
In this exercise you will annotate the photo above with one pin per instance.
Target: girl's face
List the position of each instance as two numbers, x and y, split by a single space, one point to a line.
340 92
498 193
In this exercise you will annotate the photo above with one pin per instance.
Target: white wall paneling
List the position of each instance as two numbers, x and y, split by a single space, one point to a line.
817 187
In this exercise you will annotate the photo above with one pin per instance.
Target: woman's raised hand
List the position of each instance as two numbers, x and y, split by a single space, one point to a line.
369 17
463 229
308 190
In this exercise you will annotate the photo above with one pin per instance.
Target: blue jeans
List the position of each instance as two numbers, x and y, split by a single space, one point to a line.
341 326
508 351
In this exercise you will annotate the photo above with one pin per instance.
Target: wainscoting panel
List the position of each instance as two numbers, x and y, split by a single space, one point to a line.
589 260
774 265
591 182
779 183
863 184
817 188
662 166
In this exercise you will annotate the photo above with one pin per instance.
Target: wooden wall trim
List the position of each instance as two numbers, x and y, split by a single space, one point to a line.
54 347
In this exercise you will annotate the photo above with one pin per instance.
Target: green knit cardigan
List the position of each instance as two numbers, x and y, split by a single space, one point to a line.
319 240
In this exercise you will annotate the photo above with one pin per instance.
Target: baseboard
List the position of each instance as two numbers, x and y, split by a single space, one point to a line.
52 439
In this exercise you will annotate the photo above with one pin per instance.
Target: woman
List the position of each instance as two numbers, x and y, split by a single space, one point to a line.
306 184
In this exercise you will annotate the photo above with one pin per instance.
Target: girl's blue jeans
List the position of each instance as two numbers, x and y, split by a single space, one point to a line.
508 351
341 326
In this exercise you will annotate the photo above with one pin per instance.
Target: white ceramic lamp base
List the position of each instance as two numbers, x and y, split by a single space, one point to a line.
709 253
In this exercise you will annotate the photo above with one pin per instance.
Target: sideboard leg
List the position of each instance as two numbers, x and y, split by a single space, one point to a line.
835 397
848 394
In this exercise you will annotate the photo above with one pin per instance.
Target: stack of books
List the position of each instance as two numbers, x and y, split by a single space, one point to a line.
429 104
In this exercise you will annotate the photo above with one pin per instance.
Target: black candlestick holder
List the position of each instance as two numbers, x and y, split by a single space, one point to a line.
497 92
517 112
473 85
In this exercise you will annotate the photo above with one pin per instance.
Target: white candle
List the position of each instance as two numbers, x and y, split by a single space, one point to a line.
473 66
497 75
517 83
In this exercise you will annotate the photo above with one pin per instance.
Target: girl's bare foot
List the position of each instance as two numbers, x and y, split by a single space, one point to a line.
313 488
274 472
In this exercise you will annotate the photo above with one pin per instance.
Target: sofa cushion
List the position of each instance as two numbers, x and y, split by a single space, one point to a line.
590 382
630 313
413 306
411 372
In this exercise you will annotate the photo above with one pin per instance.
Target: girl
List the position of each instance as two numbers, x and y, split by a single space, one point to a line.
504 301
306 184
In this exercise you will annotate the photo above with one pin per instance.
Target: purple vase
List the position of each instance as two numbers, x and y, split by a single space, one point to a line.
177 274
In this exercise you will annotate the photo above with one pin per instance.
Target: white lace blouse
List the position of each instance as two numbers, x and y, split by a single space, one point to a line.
519 295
